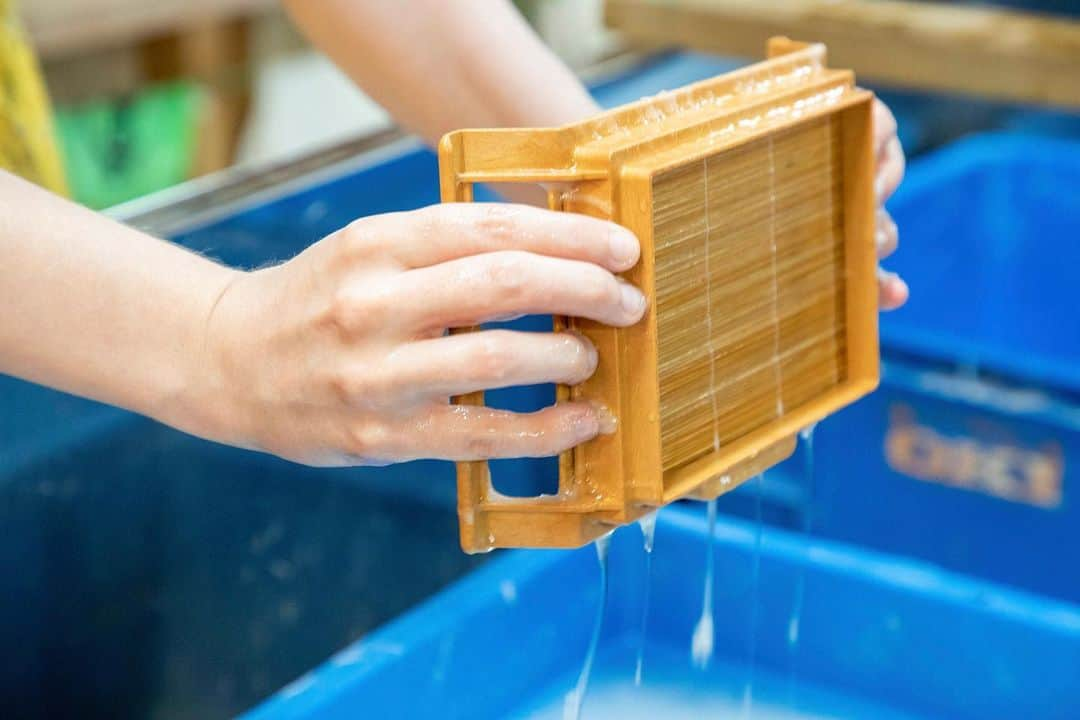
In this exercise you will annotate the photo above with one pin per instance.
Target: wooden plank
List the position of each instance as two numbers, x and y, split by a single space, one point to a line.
217 55
932 46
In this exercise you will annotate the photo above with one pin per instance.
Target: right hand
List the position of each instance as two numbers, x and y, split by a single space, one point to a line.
340 356
889 172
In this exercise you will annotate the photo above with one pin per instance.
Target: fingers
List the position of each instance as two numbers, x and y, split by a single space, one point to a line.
442 233
886 236
890 170
475 432
460 364
888 153
892 290
476 289
884 127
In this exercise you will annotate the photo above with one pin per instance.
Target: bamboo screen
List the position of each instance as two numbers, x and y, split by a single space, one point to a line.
769 244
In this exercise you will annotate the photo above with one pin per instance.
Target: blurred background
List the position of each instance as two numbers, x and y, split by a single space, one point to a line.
930 530
150 96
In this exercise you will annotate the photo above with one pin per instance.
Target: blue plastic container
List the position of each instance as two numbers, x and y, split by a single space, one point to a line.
877 638
969 454
146 572
989 228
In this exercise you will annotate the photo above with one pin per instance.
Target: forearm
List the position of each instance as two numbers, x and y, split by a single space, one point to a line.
101 310
439 65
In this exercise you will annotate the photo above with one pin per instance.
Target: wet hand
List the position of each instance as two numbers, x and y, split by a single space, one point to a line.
340 356
892 290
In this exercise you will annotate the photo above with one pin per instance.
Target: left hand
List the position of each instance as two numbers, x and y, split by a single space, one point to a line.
892 290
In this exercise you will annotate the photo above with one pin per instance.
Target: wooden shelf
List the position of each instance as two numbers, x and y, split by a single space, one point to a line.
101 49
61 28
922 45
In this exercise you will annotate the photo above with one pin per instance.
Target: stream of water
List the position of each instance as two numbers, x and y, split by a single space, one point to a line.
701 646
795 620
755 592
702 643
575 699
648 534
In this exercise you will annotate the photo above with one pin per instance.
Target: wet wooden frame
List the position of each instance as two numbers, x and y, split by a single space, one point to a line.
607 167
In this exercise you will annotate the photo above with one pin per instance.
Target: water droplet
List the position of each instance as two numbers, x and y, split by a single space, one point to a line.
508 590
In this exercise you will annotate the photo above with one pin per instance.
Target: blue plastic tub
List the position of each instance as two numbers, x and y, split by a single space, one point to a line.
877 638
989 229
148 573
969 454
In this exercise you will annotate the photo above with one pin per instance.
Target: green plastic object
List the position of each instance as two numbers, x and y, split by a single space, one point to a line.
117 150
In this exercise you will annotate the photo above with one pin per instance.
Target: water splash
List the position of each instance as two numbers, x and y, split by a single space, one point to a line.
648 530
576 697
648 534
755 584
701 646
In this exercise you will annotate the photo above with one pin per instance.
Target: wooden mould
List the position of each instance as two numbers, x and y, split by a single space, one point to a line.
752 196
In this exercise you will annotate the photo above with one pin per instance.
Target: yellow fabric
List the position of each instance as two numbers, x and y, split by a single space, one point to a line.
27 143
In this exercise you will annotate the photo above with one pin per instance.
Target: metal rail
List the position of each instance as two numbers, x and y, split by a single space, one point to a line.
203 200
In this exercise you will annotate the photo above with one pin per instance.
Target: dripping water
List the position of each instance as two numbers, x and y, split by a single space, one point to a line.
576 697
794 621
648 534
755 583
701 646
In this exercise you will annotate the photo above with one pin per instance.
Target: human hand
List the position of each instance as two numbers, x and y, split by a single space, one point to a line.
888 173
892 290
339 356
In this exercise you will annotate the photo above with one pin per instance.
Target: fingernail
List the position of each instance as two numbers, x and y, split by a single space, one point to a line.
893 291
623 247
587 427
881 238
633 301
605 419
879 187
590 349
901 286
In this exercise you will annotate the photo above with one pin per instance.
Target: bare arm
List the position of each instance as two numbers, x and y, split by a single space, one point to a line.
98 309
440 65
337 356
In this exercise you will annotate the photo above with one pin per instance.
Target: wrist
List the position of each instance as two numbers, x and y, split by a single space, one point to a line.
202 401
